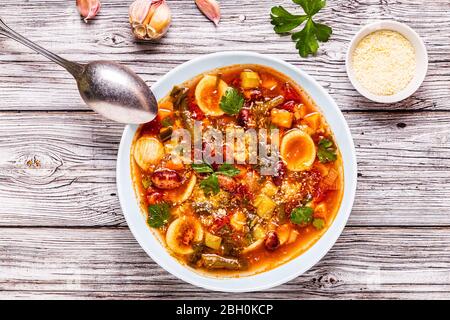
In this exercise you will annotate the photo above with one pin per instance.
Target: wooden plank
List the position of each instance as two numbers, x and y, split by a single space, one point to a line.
29 82
58 169
108 263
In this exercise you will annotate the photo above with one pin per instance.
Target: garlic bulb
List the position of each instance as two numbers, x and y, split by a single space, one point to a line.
88 8
150 19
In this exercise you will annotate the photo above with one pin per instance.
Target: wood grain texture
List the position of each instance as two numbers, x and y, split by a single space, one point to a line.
30 76
62 232
364 263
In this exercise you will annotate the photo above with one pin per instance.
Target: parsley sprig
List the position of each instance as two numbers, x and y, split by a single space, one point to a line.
232 101
210 184
158 215
307 40
302 215
326 152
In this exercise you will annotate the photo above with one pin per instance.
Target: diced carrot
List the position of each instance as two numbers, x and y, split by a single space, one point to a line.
323 169
268 83
167 105
330 180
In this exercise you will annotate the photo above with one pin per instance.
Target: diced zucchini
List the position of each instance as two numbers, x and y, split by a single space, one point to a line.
269 189
259 232
250 79
212 241
264 206
281 118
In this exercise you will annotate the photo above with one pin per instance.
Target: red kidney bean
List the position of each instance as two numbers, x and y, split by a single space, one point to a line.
272 242
280 169
226 183
243 118
166 179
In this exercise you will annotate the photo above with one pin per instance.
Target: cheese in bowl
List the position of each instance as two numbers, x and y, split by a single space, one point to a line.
234 211
386 61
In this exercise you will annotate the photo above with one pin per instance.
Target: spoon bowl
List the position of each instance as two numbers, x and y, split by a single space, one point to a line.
112 90
116 92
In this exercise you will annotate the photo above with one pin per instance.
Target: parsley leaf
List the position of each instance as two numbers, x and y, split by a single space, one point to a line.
307 40
326 151
302 215
210 185
202 168
158 215
232 101
318 223
228 170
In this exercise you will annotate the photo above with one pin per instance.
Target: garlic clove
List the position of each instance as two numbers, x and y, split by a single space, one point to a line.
160 21
88 9
210 8
150 19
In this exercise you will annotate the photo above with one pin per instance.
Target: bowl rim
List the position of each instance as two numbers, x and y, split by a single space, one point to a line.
421 59
280 274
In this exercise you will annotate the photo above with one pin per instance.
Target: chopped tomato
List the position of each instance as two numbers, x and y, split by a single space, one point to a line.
154 198
196 112
291 94
289 105
219 223
152 127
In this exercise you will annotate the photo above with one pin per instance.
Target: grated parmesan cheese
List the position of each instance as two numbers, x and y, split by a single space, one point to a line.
384 62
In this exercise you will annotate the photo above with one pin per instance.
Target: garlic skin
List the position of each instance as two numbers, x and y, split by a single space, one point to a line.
88 8
150 19
210 8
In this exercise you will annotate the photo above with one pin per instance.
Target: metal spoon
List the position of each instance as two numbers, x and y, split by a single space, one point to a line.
109 88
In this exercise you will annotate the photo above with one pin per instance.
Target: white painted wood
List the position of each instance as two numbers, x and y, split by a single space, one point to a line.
108 263
62 233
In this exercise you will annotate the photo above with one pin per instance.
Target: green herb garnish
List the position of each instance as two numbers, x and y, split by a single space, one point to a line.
326 151
307 40
167 122
158 215
202 168
318 223
210 185
228 170
232 101
302 215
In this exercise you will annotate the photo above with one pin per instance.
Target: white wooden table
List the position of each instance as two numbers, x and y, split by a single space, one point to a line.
62 232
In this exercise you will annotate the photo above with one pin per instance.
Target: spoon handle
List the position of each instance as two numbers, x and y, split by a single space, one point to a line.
74 68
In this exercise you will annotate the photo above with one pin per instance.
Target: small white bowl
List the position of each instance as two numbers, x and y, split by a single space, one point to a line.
281 274
421 60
